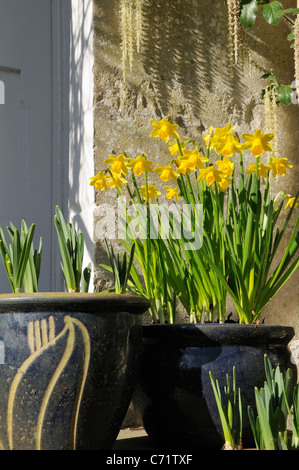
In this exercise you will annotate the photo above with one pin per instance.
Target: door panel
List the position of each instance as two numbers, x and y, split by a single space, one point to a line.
26 124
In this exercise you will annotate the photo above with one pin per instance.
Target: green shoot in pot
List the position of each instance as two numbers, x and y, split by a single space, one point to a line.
230 411
71 246
276 404
20 260
273 403
119 267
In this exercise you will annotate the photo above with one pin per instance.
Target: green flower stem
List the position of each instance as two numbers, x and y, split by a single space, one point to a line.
147 237
140 257
144 254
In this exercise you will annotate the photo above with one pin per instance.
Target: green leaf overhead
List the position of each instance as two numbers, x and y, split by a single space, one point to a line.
273 12
249 11
284 94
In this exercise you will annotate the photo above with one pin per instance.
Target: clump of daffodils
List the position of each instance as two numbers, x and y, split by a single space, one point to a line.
239 237
187 157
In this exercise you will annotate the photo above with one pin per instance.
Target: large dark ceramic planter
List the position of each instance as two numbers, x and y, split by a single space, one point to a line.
68 367
174 396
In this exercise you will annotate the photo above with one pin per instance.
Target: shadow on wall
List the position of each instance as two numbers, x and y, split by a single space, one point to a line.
184 50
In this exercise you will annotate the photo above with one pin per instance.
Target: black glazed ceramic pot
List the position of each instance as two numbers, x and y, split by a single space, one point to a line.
174 397
69 364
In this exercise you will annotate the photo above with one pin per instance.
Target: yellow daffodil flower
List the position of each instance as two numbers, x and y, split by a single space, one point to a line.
99 181
290 201
183 166
118 164
228 145
262 169
140 164
279 166
257 142
224 183
217 137
172 192
164 129
225 166
116 180
151 190
208 136
211 175
174 148
179 160
224 131
194 159
167 172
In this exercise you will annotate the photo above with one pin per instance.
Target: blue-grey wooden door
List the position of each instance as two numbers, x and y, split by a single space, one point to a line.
30 176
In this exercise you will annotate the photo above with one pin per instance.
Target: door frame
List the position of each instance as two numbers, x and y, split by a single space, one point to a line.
72 27
60 123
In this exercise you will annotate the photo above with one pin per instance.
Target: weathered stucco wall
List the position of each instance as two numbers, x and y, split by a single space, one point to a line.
183 70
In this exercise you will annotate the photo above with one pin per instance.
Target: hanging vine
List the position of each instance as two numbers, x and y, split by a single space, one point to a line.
238 49
131 31
234 29
296 54
270 116
273 12
243 13
241 16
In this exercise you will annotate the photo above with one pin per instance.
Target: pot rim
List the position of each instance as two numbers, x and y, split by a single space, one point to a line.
73 301
199 334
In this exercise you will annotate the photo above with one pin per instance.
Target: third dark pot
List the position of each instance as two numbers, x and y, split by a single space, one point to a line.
174 397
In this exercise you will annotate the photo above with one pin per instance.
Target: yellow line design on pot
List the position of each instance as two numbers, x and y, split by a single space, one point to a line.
86 342
34 340
39 341
64 360
30 333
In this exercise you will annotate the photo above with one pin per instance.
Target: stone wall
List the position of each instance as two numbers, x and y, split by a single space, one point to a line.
182 70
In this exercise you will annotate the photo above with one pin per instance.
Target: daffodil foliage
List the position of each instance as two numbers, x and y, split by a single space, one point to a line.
243 226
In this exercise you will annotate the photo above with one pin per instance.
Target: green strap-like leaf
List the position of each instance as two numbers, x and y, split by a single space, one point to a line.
254 425
224 421
23 255
86 278
65 255
264 421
